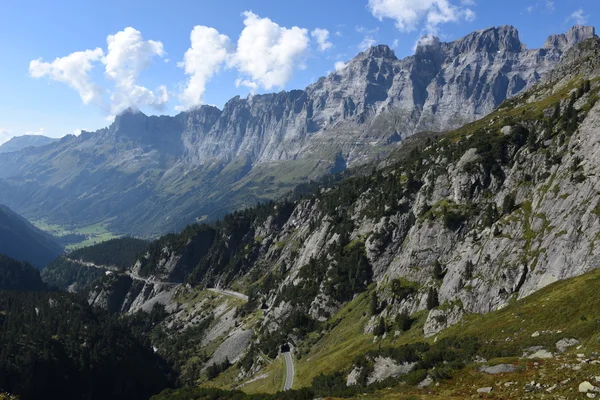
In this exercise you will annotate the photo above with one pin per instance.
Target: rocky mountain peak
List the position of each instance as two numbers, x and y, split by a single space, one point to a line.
379 51
575 35
129 116
491 40
129 123
428 43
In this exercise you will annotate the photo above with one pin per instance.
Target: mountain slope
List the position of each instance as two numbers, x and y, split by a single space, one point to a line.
149 175
56 346
22 241
553 319
21 142
79 269
468 223
18 276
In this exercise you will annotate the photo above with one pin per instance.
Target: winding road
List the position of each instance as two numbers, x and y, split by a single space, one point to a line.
231 293
92 265
289 371
118 270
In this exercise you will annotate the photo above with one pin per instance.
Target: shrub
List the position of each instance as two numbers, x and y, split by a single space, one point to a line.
438 270
509 203
453 220
381 328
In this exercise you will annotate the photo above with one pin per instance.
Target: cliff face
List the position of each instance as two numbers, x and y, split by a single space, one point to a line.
149 175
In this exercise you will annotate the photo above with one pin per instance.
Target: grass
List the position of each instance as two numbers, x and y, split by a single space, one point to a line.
95 234
274 380
337 349
571 307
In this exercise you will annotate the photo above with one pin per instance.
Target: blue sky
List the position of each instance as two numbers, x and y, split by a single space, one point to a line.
59 74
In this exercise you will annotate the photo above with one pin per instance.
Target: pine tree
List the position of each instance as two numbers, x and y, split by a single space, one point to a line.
438 270
432 299
469 268
380 329
374 304
508 205
404 321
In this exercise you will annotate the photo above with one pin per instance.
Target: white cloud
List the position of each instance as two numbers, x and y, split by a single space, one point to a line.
266 57
410 14
340 65
579 17
128 55
267 54
208 52
5 135
338 33
322 38
395 43
367 42
425 41
39 132
72 70
546 7
365 30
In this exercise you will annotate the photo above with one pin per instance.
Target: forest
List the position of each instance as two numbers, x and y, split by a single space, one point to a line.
54 345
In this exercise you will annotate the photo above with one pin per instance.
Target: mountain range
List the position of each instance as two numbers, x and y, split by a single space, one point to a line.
150 175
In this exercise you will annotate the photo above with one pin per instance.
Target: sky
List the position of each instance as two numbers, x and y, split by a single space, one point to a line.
69 66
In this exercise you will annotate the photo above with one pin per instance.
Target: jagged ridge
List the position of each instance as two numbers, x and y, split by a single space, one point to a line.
147 175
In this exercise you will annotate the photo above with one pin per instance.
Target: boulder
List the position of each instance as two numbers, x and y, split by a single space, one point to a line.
498 369
586 387
563 344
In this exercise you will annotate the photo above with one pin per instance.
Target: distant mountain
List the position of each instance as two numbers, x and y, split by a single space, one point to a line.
21 142
22 241
150 175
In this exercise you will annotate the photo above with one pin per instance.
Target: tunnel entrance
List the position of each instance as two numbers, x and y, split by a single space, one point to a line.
285 348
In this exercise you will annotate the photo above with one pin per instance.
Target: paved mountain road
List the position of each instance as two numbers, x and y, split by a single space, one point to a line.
237 295
118 270
289 371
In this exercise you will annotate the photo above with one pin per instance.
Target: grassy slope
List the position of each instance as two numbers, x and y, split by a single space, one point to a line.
566 309
273 381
